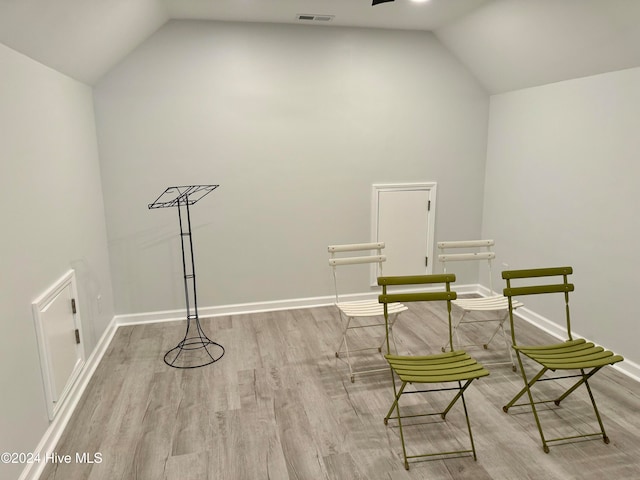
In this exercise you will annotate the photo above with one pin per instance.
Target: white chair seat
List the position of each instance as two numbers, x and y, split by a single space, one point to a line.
369 308
487 304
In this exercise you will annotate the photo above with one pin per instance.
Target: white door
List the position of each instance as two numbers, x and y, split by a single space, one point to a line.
59 338
403 219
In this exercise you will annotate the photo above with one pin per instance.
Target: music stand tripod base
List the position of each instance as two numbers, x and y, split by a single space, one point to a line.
195 349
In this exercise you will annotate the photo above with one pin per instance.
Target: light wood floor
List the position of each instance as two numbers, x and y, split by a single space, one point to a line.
279 406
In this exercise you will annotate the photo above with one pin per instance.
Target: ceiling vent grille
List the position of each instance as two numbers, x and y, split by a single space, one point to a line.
312 17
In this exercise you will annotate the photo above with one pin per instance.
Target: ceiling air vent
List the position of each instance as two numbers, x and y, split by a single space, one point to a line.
312 17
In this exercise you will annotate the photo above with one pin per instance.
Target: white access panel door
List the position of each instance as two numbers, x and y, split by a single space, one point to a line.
58 329
403 219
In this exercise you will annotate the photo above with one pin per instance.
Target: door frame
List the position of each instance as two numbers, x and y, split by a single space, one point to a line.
431 187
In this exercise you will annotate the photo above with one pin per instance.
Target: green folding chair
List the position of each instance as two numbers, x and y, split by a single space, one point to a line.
571 355
453 367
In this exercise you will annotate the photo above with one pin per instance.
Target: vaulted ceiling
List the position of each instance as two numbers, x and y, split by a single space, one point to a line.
506 44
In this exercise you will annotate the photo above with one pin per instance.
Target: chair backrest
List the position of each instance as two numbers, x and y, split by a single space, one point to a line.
541 288
474 250
355 254
412 280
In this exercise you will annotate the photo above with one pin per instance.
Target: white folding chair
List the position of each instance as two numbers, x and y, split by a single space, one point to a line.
360 314
469 251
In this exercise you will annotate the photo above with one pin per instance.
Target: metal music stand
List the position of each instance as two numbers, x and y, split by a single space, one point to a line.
195 349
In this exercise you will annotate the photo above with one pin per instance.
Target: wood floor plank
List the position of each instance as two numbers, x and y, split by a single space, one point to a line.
192 466
302 454
342 465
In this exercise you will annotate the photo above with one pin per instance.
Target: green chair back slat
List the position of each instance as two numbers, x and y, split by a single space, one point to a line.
416 297
537 289
417 279
537 272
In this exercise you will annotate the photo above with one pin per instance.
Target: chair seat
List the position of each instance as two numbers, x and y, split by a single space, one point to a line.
569 355
438 368
368 308
495 302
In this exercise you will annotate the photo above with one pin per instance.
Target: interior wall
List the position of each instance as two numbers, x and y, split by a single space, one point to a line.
53 220
561 189
295 123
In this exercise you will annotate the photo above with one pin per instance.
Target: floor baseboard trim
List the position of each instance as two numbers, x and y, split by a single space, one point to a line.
222 310
257 307
52 435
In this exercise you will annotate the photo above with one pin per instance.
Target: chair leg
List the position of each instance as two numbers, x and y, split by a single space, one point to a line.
455 399
392 322
396 396
507 342
466 414
345 342
455 333
459 395
344 335
396 406
499 328
343 352
584 378
605 438
505 339
527 390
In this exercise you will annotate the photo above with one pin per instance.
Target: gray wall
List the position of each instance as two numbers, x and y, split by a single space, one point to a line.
296 124
562 188
53 220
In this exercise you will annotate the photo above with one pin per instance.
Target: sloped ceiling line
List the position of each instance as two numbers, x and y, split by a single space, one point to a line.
506 44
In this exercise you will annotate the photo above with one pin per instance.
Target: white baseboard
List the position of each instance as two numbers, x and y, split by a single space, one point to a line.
629 368
49 440
233 309
256 307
